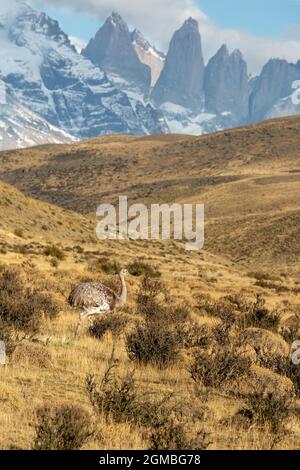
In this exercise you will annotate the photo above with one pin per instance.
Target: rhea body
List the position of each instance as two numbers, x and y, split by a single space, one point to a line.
95 298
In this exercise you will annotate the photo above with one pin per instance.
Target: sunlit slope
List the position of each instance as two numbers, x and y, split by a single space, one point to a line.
248 179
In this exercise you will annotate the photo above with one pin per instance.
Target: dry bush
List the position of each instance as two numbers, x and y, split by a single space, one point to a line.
267 411
284 366
62 427
117 397
158 339
152 303
221 308
173 435
19 232
140 268
219 367
32 355
148 302
269 347
237 309
191 335
112 322
108 266
153 343
223 334
21 308
260 317
54 252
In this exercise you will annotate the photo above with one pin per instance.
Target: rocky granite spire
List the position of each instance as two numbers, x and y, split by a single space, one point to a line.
226 84
181 81
112 49
275 82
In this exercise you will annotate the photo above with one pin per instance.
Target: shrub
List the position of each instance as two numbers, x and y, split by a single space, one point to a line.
216 369
284 366
110 322
222 334
222 308
140 268
55 252
62 427
19 233
173 435
260 317
108 266
153 342
267 410
21 308
191 335
116 397
148 303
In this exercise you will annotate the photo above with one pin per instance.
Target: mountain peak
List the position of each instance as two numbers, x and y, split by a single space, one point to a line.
226 85
237 54
112 49
191 23
181 81
116 19
223 50
138 38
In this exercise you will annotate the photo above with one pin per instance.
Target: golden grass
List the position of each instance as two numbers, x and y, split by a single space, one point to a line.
252 233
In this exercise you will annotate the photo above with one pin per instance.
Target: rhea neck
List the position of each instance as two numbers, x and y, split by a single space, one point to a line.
123 296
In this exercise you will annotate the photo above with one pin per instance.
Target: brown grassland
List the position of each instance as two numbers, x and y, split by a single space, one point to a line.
209 340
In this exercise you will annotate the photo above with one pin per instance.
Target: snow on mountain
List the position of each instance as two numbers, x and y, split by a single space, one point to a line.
272 90
121 84
20 127
288 106
49 77
148 55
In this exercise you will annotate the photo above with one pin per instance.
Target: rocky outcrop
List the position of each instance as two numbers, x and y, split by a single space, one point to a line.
148 55
181 81
46 75
112 49
226 85
274 83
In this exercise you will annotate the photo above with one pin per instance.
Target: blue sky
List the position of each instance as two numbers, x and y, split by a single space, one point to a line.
258 17
261 29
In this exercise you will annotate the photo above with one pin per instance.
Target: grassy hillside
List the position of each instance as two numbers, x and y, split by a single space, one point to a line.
230 376
248 179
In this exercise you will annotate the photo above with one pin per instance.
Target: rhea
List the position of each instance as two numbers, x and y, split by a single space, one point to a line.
95 298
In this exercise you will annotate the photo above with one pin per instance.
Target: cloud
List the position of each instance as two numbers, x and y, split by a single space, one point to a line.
158 19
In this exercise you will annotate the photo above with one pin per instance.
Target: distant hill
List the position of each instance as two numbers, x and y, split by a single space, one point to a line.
248 178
